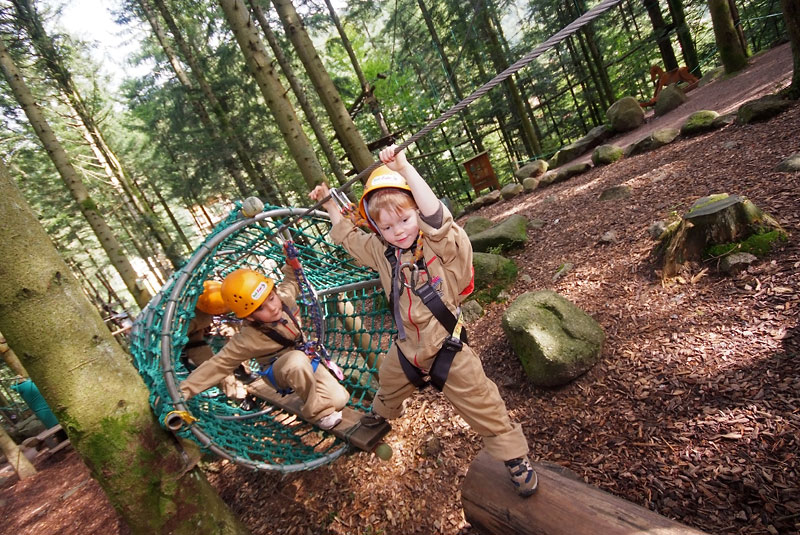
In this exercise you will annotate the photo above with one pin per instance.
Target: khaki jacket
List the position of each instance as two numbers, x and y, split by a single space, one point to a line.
447 252
248 343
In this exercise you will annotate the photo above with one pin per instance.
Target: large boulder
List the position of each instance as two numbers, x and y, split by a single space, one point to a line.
699 122
625 114
493 269
554 339
761 109
669 98
534 168
507 234
565 173
476 224
658 138
510 191
606 154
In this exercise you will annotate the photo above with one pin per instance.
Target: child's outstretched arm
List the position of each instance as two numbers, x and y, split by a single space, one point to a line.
426 199
322 191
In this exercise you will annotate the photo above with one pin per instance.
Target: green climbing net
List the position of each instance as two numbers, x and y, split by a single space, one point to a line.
357 332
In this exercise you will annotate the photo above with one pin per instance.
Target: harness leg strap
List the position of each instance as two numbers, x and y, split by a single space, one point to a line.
414 374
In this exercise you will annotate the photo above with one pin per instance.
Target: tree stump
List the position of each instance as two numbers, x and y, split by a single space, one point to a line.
563 505
715 220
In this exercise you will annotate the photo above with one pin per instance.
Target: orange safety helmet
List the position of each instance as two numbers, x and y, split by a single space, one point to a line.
210 301
380 178
244 290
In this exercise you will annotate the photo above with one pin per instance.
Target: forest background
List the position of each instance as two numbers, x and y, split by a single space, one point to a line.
151 168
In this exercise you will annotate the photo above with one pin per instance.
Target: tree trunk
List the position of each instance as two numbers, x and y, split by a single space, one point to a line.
366 88
500 63
684 34
105 156
346 131
94 391
662 34
265 187
262 69
451 76
21 465
791 14
300 94
11 359
733 56
71 179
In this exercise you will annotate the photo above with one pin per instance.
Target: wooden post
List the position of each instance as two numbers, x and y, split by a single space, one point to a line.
562 505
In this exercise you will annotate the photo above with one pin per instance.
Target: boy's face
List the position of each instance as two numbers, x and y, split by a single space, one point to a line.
399 227
269 311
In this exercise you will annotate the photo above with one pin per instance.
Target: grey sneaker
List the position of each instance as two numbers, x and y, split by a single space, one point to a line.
372 419
522 475
330 421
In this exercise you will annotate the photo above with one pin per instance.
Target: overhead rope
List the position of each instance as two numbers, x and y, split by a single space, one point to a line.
556 38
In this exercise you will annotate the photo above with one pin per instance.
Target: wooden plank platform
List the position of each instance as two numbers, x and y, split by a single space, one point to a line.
562 505
350 429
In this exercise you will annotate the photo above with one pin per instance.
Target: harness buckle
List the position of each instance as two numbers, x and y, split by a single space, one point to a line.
452 343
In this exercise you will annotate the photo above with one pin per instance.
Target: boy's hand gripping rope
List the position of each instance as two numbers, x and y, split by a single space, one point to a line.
556 38
312 348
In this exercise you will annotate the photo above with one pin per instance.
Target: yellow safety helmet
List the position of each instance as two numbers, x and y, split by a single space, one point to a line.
210 301
380 178
244 290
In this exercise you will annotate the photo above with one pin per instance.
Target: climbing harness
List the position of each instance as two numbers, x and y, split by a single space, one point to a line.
310 299
453 324
300 344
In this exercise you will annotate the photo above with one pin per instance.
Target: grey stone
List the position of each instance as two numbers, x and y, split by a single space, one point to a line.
790 164
509 233
510 191
625 114
562 271
554 339
490 268
761 109
670 98
615 193
606 154
699 121
530 184
736 262
471 310
476 224
657 229
570 171
532 169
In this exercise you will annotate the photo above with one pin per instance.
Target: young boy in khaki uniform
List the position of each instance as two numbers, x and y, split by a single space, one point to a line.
428 255
270 333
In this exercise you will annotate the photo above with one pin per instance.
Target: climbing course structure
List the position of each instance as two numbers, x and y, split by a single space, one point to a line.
343 307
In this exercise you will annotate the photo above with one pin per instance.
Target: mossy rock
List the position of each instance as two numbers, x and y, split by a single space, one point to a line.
606 154
493 274
509 233
476 224
699 122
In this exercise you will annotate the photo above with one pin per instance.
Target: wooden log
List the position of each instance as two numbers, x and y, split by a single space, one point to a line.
562 505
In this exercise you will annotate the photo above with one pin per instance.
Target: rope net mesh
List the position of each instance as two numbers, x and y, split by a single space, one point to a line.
357 324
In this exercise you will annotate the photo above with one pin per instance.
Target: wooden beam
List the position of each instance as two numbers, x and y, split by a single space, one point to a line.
563 505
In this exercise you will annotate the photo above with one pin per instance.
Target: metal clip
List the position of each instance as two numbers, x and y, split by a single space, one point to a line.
414 272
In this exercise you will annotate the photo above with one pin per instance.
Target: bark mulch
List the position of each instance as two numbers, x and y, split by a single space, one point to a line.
693 410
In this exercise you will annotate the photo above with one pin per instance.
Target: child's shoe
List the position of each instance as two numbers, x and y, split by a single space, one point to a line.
250 403
330 421
523 475
372 419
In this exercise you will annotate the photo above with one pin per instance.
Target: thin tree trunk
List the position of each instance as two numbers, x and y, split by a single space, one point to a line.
11 359
168 211
452 81
661 34
199 107
262 69
71 179
87 379
791 14
114 169
684 34
267 189
366 88
300 94
733 56
354 145
21 465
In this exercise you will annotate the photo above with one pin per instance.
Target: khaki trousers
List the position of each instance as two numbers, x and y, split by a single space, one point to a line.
232 388
320 391
473 395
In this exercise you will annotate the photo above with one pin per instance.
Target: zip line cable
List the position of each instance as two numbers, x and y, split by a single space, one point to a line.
556 38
